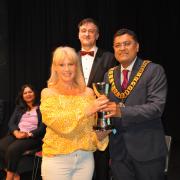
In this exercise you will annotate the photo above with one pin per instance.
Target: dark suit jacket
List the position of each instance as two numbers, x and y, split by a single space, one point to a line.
139 130
103 61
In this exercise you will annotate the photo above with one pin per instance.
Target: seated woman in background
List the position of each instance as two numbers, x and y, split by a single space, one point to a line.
69 111
25 131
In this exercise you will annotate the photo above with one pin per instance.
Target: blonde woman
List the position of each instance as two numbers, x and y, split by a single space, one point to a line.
69 111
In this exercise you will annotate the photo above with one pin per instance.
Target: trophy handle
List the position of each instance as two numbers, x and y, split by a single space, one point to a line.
106 89
103 124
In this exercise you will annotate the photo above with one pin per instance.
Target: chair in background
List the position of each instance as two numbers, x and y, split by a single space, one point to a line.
168 143
36 166
27 161
25 165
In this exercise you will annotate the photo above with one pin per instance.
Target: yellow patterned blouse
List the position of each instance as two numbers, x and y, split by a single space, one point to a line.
68 128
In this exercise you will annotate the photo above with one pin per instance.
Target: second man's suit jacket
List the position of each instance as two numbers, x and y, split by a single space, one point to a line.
139 130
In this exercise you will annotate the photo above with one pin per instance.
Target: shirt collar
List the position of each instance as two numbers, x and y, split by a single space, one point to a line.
129 68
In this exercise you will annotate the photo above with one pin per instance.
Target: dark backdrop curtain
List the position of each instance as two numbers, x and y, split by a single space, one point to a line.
36 27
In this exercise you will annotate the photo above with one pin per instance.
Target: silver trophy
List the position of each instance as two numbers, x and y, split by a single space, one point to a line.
102 88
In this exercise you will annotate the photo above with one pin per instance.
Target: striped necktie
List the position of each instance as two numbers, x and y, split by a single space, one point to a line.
125 81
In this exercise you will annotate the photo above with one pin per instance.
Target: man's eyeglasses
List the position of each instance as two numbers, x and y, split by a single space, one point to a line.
125 44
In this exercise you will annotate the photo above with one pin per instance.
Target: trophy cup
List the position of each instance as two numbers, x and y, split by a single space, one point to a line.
102 88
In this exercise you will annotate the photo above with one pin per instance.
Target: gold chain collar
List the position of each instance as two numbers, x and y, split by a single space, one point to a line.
128 90
95 90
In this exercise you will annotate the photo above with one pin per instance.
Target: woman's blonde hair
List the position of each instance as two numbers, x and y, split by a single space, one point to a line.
59 55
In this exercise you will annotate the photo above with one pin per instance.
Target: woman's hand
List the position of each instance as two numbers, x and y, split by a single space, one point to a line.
20 134
30 134
99 104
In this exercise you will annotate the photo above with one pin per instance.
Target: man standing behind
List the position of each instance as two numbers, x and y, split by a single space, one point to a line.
95 63
138 94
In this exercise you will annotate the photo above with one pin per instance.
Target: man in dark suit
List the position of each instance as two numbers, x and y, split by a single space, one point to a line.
137 149
95 63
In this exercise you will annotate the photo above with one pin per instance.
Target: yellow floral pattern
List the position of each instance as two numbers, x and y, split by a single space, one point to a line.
68 127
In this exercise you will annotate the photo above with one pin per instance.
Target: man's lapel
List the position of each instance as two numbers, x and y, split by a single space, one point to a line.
117 78
95 66
135 69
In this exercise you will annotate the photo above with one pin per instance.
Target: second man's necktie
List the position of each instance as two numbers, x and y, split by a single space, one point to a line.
125 81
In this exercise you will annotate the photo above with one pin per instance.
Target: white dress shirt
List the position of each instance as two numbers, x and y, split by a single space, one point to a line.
87 62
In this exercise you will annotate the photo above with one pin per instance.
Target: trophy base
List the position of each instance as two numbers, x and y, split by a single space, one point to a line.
99 128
